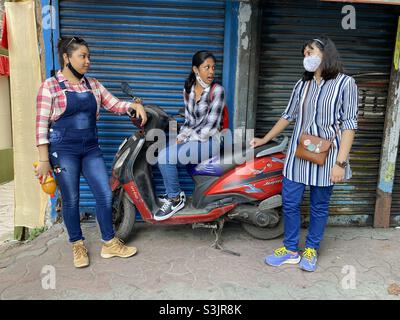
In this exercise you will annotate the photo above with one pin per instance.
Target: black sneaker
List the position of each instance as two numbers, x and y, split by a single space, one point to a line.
169 208
164 197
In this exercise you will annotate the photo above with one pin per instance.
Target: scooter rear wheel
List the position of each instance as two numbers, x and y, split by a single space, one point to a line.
124 215
264 233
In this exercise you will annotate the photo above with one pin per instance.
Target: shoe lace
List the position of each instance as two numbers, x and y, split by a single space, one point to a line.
309 253
79 251
166 205
119 243
280 251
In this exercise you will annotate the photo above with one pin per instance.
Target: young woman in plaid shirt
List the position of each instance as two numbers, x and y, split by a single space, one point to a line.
199 137
66 135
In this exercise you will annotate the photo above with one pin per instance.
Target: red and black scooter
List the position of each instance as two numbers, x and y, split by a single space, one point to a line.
247 191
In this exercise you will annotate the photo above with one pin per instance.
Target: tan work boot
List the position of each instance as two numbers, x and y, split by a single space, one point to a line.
116 248
81 258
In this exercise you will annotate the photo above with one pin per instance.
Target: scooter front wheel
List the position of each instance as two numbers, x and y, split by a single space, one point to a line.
124 215
264 233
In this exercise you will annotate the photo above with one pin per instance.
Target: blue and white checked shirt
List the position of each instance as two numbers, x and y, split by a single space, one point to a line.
331 104
202 119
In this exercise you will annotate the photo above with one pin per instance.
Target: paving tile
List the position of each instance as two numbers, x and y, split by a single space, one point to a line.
176 262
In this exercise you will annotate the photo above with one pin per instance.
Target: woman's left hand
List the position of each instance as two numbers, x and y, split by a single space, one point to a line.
337 174
140 112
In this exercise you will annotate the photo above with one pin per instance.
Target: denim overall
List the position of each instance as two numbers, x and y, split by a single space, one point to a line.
74 149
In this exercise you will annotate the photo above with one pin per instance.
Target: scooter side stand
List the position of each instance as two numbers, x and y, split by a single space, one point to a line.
217 228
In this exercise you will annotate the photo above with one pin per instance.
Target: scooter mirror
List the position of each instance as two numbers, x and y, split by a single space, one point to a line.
127 89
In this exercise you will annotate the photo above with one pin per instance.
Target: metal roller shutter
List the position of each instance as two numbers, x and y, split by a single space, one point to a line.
149 44
366 52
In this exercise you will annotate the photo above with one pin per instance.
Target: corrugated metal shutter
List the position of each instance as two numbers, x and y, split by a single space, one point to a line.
366 50
149 44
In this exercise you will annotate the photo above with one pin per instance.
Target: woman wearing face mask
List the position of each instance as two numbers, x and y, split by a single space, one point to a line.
199 137
324 104
66 135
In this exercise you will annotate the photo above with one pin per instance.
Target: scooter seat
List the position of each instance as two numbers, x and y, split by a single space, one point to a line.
229 159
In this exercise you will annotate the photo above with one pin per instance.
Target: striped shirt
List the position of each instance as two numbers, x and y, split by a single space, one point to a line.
330 106
51 102
202 118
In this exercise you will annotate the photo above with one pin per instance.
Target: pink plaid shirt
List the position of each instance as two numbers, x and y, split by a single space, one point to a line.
51 102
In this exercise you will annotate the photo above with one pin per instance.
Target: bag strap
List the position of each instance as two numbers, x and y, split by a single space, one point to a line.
211 93
302 107
303 114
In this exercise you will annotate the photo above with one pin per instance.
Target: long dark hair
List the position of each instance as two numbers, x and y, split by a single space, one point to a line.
331 65
198 58
68 45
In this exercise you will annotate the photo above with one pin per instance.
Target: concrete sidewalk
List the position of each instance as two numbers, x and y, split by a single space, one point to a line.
176 262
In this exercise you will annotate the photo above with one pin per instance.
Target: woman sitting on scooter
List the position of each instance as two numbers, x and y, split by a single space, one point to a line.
66 135
324 103
199 135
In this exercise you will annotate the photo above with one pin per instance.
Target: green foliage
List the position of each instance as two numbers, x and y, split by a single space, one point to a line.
33 233
3 52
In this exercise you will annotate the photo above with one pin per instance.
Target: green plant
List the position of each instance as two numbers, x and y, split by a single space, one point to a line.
3 52
33 233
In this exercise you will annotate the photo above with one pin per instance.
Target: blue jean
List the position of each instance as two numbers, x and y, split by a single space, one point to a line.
76 151
175 155
292 196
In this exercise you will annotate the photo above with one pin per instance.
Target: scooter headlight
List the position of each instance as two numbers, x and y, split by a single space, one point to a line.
122 159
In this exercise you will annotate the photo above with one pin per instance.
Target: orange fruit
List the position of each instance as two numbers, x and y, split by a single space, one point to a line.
49 186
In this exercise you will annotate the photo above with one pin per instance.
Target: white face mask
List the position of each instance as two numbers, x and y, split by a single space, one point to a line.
311 63
201 82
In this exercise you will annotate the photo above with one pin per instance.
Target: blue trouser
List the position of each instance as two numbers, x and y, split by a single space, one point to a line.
292 196
181 154
76 151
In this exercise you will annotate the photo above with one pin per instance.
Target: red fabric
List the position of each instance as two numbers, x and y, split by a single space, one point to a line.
225 111
4 39
225 118
4 66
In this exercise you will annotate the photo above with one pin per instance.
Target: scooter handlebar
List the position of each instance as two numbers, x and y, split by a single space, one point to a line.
136 121
282 139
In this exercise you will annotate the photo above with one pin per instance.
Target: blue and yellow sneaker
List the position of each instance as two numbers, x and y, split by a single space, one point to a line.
309 260
282 256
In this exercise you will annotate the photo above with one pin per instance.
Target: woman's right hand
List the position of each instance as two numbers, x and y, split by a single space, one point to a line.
42 171
256 142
